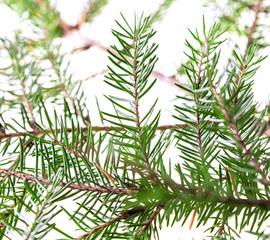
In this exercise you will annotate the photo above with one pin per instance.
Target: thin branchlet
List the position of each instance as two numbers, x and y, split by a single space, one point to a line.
39 133
136 104
27 102
39 213
74 186
198 82
238 81
170 80
238 138
150 220
122 216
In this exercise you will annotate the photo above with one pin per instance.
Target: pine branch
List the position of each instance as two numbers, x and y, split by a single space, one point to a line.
18 70
186 193
41 210
73 186
217 126
122 216
168 80
150 220
136 101
238 80
238 138
261 203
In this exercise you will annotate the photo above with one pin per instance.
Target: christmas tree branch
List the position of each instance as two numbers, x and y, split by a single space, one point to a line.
238 138
73 186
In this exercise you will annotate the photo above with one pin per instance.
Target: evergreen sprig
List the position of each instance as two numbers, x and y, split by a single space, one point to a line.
118 177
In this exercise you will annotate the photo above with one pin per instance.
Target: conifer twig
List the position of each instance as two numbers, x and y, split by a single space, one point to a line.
238 138
238 80
169 80
122 216
74 186
150 220
136 105
221 229
198 82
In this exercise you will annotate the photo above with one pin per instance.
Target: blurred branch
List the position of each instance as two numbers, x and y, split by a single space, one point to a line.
96 7
257 10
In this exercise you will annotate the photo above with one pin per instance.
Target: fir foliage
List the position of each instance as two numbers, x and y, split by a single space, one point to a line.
118 177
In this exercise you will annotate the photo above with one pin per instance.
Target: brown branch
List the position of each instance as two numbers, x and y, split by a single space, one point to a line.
102 72
257 9
70 150
88 44
263 203
102 129
201 196
122 216
51 58
221 229
150 220
73 186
